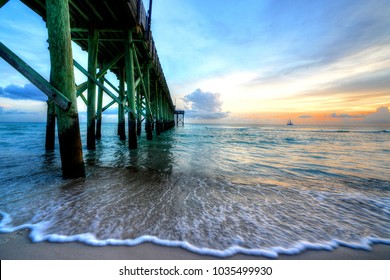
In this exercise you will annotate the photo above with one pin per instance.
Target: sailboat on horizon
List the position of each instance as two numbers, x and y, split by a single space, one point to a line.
289 122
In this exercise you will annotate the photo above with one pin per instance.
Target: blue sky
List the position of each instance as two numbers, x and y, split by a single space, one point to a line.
241 61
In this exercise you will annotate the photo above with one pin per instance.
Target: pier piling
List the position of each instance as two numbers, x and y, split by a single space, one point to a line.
149 116
62 78
129 49
121 110
93 43
50 125
139 109
99 111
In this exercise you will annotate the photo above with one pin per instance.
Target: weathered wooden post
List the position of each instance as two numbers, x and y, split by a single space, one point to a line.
93 43
154 106
130 89
50 125
62 78
167 116
164 111
149 117
158 110
121 110
139 109
172 116
161 111
99 109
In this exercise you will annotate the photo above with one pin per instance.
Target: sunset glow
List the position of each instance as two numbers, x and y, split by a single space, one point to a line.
309 61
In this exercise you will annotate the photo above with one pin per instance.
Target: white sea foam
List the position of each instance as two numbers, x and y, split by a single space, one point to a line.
37 235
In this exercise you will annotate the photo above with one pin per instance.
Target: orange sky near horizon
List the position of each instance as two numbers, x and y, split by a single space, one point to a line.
369 117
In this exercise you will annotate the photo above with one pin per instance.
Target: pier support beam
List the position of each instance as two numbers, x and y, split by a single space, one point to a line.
139 109
149 129
62 78
158 111
93 43
121 110
50 125
99 111
149 116
129 49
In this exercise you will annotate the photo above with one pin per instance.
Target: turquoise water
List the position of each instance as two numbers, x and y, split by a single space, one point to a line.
212 189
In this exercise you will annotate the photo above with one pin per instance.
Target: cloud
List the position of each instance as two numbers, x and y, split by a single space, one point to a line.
381 116
10 114
377 82
305 117
204 105
28 92
363 25
5 111
342 116
354 37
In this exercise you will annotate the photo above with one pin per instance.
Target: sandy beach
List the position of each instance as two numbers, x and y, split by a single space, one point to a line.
17 246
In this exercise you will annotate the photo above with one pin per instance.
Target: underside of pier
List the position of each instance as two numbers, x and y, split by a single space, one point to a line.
118 38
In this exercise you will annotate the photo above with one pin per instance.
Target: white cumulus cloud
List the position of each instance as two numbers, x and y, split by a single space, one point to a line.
204 105
381 116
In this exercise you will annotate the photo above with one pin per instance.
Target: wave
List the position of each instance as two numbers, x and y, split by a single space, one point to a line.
350 131
37 236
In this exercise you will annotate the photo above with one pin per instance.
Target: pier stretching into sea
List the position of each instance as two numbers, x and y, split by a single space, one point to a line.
117 36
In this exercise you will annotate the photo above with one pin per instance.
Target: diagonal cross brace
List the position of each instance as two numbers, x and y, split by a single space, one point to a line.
100 85
83 86
3 2
35 78
140 74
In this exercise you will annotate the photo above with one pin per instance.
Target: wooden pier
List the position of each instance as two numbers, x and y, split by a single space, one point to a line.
179 117
117 36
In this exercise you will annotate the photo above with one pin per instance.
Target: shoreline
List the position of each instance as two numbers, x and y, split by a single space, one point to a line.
17 246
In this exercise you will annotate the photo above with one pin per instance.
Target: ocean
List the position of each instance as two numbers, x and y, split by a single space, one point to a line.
211 189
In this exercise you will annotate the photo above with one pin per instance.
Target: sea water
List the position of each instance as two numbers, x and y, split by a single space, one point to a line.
211 189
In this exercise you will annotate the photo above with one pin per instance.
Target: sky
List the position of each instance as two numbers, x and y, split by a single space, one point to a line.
250 61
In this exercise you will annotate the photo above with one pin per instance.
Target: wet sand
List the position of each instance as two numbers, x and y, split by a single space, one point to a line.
17 246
